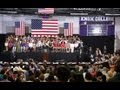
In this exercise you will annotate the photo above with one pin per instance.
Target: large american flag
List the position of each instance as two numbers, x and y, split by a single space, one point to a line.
68 29
40 28
20 28
46 10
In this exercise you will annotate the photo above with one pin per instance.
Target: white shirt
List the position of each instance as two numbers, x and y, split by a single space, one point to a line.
6 44
81 43
16 38
72 45
30 45
76 45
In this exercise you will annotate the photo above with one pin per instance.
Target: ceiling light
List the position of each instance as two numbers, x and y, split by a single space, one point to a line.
111 14
78 13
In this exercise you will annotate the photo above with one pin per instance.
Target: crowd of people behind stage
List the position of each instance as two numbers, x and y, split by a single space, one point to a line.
55 44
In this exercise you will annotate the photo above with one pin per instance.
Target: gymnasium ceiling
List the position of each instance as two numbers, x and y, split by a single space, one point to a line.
64 11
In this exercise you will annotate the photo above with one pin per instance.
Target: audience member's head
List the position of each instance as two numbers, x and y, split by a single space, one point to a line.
117 67
50 78
103 78
63 73
78 77
41 77
99 76
88 77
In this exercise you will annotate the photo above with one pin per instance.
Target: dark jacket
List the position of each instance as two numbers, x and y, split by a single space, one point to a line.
116 78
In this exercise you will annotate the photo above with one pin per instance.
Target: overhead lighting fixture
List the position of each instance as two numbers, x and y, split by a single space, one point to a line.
78 13
112 14
86 9
11 12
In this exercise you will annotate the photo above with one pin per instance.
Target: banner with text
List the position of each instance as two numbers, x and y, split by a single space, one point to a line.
96 26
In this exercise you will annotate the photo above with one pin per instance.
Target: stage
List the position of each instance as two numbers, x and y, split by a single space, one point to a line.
39 56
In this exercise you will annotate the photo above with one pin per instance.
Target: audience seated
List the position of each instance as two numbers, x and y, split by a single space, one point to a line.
33 71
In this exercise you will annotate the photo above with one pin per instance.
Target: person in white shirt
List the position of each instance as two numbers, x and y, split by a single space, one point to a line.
98 52
72 47
14 48
16 38
81 43
38 45
6 45
30 46
76 45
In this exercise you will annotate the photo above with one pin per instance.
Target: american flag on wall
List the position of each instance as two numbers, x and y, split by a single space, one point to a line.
40 28
46 10
68 29
20 28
